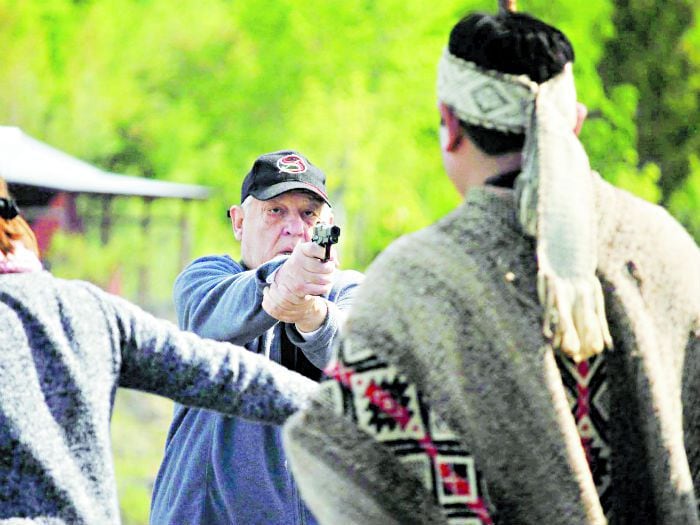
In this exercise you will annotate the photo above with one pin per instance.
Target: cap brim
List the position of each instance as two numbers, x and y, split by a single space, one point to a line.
278 189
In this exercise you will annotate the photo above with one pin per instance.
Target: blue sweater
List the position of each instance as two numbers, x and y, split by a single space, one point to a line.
223 470
65 347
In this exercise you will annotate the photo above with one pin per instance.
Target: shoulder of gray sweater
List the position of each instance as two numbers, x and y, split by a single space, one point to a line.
618 207
631 227
481 228
451 260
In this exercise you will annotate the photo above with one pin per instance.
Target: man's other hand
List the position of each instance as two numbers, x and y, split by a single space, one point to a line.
307 313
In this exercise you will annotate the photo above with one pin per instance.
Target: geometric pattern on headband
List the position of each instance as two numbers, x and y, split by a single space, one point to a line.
483 97
488 98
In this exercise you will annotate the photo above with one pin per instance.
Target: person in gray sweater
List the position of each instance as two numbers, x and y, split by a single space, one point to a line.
65 347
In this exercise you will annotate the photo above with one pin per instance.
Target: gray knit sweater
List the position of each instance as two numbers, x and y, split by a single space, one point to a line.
454 310
65 347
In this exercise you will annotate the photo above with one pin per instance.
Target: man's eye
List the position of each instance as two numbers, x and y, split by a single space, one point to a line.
274 211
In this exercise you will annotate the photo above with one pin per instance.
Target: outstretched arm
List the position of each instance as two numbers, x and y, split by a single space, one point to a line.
158 358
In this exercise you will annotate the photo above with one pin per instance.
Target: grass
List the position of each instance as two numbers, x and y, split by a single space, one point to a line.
139 426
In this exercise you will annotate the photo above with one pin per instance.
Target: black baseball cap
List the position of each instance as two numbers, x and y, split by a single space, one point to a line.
278 172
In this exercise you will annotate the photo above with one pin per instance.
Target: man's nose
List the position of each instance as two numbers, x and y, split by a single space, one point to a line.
295 225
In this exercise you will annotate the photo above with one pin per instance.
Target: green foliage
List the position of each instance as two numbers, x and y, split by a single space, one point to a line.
655 49
140 259
71 258
194 92
610 137
685 201
139 429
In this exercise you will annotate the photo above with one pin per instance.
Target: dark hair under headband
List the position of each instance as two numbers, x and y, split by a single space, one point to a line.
8 208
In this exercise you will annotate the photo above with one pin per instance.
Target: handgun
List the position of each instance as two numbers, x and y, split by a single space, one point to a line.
326 235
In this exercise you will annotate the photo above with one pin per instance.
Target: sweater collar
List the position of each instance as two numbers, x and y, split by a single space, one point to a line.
20 260
503 180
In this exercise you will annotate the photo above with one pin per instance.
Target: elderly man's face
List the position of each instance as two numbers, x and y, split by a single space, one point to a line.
274 227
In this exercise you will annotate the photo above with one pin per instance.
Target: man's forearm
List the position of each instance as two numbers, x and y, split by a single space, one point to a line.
218 300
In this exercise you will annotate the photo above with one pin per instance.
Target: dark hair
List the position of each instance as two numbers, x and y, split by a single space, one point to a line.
513 43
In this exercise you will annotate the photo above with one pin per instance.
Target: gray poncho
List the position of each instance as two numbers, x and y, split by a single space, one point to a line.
454 309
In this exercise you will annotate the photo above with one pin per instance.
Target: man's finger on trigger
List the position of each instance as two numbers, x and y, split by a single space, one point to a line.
317 289
313 250
319 267
321 279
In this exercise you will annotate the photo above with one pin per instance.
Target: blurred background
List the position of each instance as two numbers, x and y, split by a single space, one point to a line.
192 91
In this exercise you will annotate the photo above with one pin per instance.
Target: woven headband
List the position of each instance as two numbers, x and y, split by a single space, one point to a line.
554 190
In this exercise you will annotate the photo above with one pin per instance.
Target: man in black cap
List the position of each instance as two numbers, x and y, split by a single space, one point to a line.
281 300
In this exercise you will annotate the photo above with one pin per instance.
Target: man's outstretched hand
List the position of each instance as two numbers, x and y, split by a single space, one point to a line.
296 294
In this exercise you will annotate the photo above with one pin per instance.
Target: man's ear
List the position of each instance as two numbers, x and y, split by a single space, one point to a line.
581 114
454 129
236 213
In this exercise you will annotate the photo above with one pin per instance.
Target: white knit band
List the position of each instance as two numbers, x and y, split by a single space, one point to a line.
485 98
500 101
554 190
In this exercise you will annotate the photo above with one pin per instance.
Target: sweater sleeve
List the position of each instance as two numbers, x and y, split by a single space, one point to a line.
158 358
215 297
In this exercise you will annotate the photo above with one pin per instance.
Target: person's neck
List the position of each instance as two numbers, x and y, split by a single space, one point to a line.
469 167
482 167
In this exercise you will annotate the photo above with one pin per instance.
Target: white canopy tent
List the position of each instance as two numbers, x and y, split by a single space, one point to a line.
46 182
27 161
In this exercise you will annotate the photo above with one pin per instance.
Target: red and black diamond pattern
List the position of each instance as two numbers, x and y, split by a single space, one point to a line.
389 408
586 390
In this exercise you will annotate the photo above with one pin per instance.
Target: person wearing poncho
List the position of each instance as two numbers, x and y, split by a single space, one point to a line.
533 357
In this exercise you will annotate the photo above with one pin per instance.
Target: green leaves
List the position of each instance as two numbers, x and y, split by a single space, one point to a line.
194 94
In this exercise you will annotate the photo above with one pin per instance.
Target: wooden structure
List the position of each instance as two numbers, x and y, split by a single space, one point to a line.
46 183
